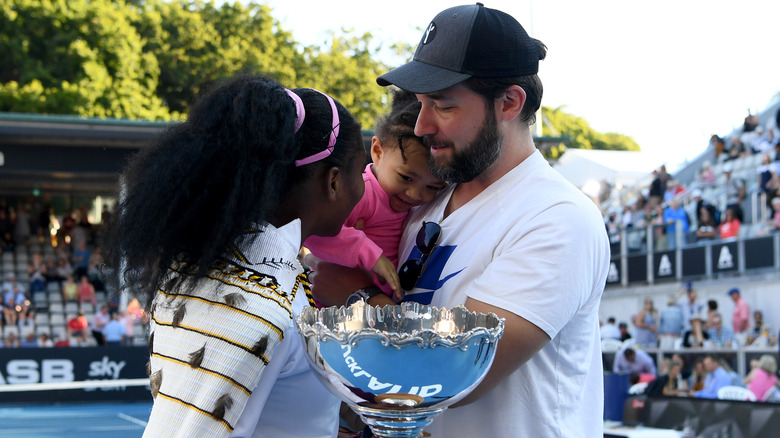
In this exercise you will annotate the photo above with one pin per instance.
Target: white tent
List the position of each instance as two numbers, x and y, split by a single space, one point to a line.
618 168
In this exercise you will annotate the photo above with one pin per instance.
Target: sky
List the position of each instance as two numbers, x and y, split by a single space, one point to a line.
669 74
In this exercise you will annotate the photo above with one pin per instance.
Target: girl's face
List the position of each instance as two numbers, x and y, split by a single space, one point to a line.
408 184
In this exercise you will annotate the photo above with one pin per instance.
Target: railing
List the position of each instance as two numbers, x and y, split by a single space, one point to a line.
739 359
640 257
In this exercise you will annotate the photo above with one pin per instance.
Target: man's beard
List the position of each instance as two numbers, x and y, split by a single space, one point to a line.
475 158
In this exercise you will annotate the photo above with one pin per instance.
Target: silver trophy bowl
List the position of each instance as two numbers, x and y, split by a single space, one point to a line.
399 366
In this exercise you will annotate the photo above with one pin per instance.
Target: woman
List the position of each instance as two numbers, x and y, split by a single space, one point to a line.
646 322
730 225
209 228
707 229
696 379
763 376
673 384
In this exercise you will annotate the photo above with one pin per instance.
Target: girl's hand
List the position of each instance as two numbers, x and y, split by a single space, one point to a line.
385 270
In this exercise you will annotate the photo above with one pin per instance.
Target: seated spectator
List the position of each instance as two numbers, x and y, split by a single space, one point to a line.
70 290
610 330
720 336
730 226
701 202
707 229
629 360
716 378
673 189
77 328
624 334
25 313
95 267
707 175
736 379
29 341
87 292
759 334
12 341
670 384
764 376
37 271
44 341
11 286
696 336
80 259
698 373
52 271
64 268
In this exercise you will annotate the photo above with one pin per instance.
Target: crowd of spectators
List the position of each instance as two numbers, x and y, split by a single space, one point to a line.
51 285
687 324
712 205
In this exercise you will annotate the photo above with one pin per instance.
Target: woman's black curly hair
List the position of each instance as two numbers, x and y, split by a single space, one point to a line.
203 183
399 123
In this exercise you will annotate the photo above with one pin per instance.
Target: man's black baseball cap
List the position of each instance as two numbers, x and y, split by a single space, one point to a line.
462 42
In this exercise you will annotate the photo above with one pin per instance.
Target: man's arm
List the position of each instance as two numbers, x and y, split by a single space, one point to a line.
521 341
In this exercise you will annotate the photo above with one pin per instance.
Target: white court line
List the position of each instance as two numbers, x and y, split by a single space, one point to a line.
73 385
132 419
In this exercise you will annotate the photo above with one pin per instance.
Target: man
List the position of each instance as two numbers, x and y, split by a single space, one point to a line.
721 337
673 214
610 330
735 192
670 324
624 334
717 378
114 332
690 305
740 319
760 335
628 361
516 238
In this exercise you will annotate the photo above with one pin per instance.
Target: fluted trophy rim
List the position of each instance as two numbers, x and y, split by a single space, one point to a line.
327 324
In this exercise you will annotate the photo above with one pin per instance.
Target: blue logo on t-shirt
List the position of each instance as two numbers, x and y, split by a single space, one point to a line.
431 280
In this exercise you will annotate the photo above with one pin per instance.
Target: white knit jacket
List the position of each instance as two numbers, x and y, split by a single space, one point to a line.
209 346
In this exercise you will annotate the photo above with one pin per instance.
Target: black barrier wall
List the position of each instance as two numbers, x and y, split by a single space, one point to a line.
633 265
57 365
707 418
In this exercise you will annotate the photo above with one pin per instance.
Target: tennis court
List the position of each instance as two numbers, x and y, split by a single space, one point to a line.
84 420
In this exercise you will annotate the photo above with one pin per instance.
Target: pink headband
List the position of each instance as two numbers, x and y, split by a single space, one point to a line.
301 114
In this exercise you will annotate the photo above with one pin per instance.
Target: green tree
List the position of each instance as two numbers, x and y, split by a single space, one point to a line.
558 123
75 57
197 43
348 71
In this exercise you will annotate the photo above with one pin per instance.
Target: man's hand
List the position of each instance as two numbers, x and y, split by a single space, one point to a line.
385 270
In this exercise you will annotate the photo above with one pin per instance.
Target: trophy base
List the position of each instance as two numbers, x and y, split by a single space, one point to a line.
397 422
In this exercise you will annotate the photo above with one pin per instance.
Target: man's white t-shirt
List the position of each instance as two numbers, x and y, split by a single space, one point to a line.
533 244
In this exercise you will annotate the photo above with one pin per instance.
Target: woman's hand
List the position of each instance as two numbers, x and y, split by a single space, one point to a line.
332 284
